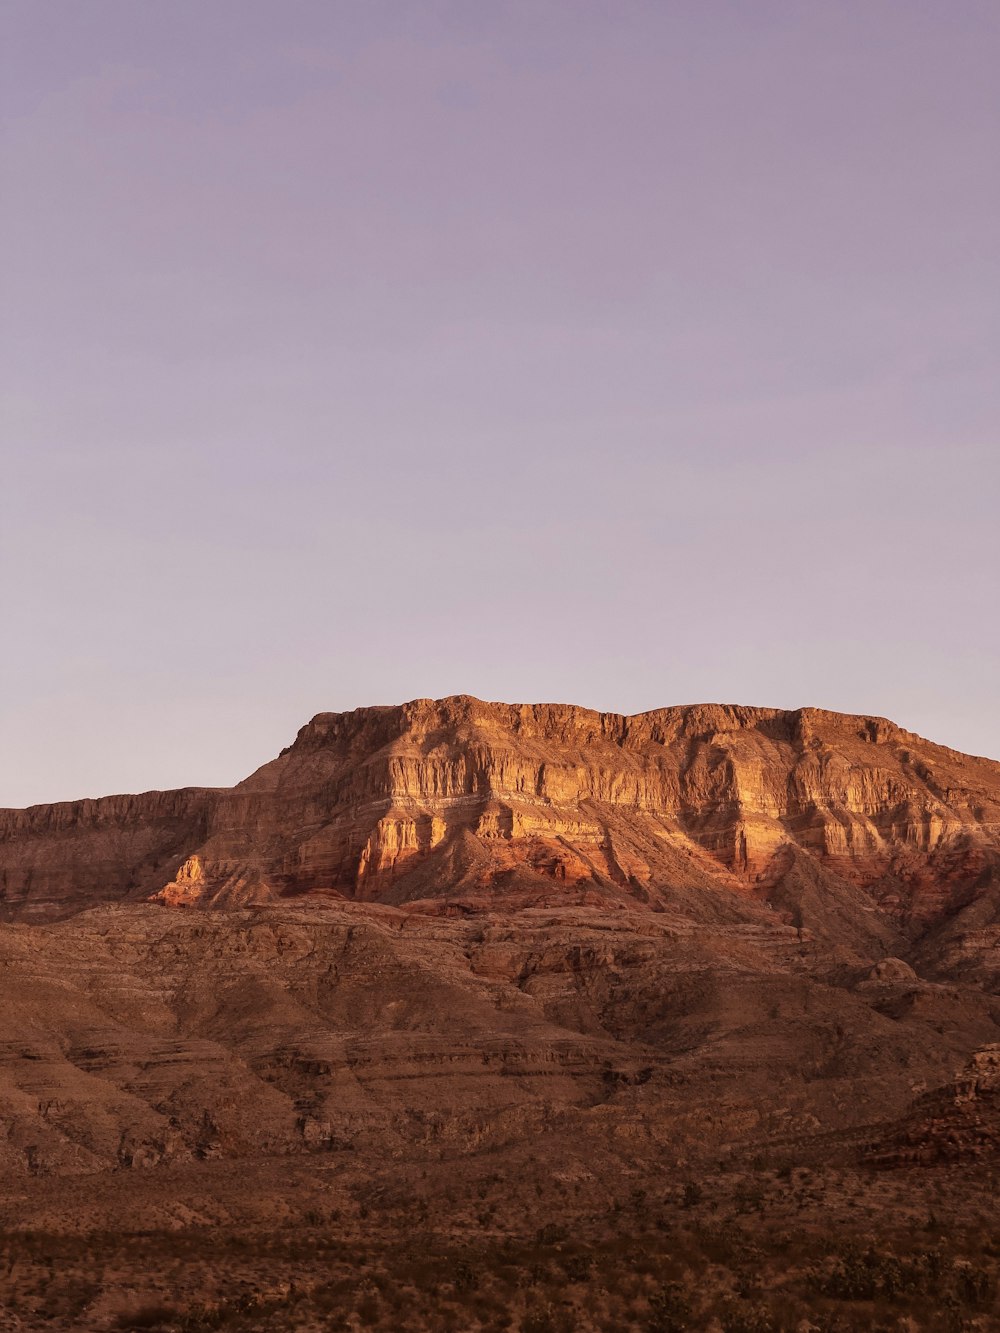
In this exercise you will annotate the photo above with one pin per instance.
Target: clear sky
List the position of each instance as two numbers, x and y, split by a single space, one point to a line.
617 352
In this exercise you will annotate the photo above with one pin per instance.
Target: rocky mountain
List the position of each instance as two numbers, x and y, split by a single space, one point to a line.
855 831
448 948
361 800
632 876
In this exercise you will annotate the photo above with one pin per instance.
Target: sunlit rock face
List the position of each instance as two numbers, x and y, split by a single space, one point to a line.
458 801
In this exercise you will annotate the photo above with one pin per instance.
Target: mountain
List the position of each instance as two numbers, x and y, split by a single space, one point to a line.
860 833
597 959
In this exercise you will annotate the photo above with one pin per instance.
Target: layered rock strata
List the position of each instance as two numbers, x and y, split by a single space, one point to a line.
133 1038
833 818
74 854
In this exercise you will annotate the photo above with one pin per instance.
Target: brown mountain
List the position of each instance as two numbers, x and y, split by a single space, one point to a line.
849 827
453 942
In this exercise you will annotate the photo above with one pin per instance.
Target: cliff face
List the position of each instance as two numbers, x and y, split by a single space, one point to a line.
63 857
848 826
844 824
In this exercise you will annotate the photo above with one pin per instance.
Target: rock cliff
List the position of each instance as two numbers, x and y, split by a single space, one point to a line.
846 825
63 857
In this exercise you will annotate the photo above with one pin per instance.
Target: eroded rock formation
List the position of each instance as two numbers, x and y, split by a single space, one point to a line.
847 825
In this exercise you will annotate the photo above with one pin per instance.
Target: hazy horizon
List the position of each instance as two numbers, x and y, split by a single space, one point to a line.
623 355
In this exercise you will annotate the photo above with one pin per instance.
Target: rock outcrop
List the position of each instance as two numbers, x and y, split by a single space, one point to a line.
959 1122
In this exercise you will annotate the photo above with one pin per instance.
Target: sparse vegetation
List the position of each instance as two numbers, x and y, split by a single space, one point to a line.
605 1268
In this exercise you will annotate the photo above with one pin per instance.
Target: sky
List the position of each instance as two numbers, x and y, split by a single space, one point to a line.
612 352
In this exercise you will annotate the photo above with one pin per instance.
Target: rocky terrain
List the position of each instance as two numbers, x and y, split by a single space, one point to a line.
484 973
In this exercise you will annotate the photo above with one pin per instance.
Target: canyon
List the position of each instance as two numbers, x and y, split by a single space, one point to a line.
577 955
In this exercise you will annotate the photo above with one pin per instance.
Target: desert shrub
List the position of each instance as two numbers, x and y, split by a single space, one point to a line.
669 1310
551 1233
464 1276
368 1310
737 1317
974 1287
148 1317
868 1275
577 1267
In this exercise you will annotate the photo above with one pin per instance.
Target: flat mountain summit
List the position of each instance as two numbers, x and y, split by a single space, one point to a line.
844 826
470 967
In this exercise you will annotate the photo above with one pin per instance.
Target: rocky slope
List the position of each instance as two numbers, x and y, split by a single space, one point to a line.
959 1122
133 1037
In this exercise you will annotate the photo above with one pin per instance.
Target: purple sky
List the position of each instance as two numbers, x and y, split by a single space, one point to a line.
617 353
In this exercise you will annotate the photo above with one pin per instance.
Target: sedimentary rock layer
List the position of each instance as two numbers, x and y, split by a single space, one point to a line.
843 823
134 1037
63 857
